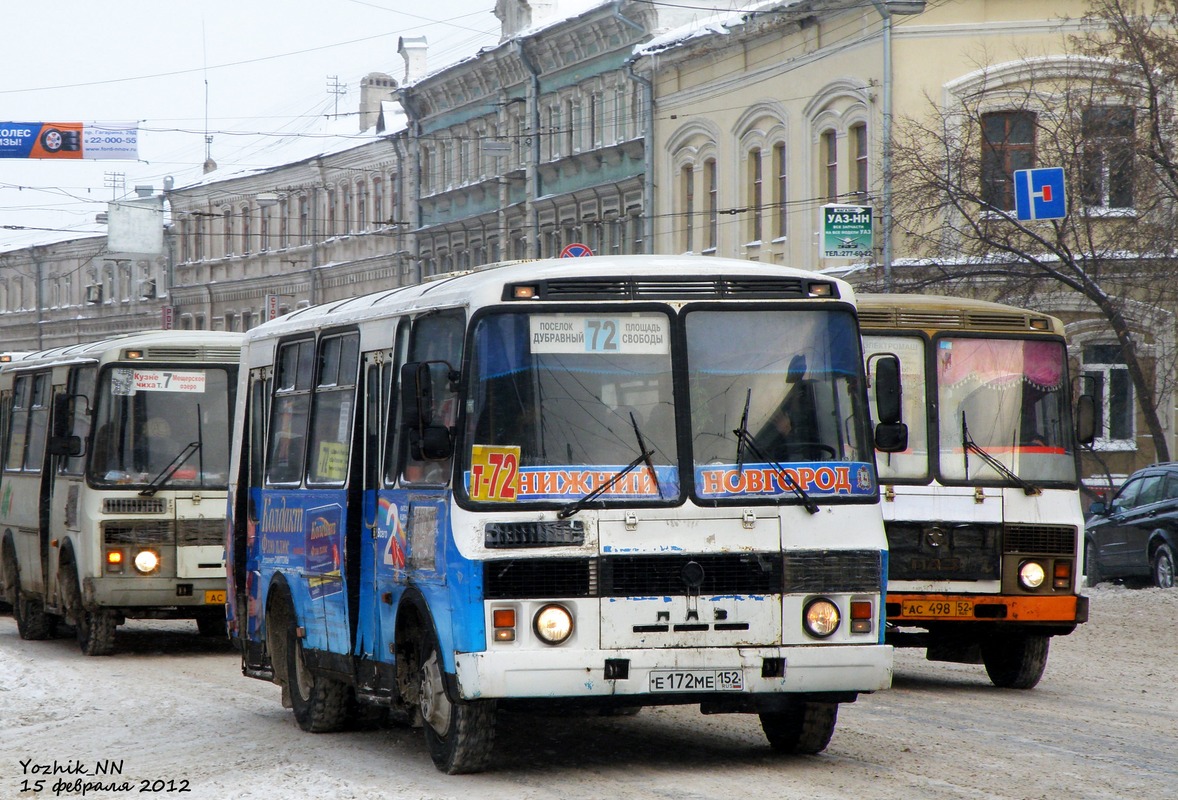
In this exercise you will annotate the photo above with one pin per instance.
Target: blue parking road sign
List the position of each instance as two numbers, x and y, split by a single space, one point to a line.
1039 194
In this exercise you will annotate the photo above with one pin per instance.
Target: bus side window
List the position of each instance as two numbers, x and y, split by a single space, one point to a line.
334 398
259 395
81 387
390 374
287 432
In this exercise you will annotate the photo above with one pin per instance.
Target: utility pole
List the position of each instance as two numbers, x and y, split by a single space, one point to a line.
336 88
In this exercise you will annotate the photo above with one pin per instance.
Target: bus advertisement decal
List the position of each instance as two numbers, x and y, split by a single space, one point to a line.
323 551
819 478
125 382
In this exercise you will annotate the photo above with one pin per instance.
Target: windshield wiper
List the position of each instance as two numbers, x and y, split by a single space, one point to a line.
970 446
577 505
742 432
167 472
645 454
744 437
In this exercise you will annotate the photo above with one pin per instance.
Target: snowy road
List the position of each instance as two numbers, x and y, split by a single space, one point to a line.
175 713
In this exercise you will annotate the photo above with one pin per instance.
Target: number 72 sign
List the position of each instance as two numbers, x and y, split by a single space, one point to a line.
494 473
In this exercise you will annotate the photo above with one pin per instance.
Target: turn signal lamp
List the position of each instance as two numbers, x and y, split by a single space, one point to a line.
1063 575
820 290
861 616
504 621
114 560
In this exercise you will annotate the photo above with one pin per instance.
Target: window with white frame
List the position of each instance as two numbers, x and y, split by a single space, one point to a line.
1107 179
828 152
711 181
1105 366
859 176
756 195
687 203
780 195
1008 144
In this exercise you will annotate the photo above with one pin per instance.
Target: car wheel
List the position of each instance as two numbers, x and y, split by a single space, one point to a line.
1015 661
1091 567
459 733
1162 567
804 729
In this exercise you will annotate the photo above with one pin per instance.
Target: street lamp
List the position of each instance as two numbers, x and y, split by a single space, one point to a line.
887 9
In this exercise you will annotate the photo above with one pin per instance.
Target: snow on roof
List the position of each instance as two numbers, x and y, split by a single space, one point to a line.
718 24
23 239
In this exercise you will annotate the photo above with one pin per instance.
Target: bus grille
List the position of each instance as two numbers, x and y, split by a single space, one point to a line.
744 573
900 317
200 531
670 575
207 353
1053 539
140 531
134 505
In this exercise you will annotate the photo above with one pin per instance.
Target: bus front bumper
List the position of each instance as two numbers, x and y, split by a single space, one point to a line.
918 609
136 591
651 673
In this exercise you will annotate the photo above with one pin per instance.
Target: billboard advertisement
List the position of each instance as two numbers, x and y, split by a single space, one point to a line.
93 140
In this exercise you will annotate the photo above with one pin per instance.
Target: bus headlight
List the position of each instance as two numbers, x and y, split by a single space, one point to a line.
147 561
820 618
1031 574
553 624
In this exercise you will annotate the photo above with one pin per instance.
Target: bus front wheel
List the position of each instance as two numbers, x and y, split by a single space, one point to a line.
459 734
95 630
1015 661
320 704
805 729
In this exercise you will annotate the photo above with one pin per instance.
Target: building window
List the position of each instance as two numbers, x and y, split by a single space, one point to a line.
378 217
198 239
1008 144
687 187
781 196
711 180
227 237
1113 389
756 195
304 219
830 166
283 222
1107 172
331 213
859 142
246 219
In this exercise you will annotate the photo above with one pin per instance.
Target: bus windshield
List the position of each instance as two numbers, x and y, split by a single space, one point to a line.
568 397
789 381
146 419
1009 397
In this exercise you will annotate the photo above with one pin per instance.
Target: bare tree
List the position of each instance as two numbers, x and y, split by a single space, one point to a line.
1104 110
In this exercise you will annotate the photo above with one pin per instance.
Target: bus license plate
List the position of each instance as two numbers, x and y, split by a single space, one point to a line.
938 608
696 680
214 597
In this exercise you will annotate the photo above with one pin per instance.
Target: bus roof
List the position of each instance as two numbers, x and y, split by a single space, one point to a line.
216 346
932 312
698 277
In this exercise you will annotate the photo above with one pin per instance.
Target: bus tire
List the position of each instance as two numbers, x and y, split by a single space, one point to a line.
320 704
804 730
1015 661
459 733
32 622
8 579
212 624
94 630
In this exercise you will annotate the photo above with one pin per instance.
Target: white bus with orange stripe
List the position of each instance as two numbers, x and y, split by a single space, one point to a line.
982 509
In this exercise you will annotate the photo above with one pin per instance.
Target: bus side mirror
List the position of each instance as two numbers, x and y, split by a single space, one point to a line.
1086 419
419 410
887 389
61 442
891 434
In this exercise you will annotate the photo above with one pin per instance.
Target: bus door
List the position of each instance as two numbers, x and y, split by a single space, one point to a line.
332 536
24 481
428 413
65 465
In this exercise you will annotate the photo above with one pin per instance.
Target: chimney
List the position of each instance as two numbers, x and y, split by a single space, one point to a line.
412 49
375 87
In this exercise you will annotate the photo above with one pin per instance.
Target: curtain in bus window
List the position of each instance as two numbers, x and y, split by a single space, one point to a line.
1011 396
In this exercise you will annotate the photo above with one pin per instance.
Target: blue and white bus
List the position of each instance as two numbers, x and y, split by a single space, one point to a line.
564 481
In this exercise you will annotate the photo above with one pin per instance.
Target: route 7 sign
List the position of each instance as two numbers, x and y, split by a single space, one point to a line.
1039 194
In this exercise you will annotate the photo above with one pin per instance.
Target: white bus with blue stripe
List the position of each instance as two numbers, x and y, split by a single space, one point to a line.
564 482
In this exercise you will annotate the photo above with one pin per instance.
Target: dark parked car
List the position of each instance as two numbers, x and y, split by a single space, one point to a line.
1135 535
